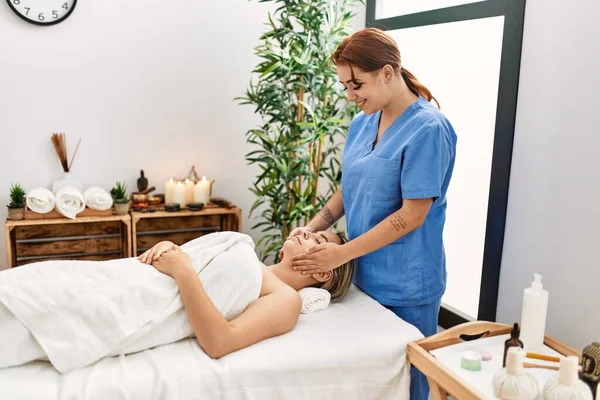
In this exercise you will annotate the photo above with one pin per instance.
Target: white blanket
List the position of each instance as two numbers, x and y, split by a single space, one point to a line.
97 198
69 201
40 200
82 311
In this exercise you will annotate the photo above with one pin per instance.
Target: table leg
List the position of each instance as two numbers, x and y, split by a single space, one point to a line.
127 244
436 392
133 237
238 214
9 248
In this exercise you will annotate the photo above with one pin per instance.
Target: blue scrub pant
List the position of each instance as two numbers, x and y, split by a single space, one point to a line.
425 318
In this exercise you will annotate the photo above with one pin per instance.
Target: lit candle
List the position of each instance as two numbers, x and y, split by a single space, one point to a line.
202 191
179 194
189 191
169 188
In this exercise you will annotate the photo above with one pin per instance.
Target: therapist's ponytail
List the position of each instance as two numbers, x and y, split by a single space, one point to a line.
371 49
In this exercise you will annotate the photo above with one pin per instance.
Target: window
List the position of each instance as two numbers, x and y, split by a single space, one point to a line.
468 54
394 8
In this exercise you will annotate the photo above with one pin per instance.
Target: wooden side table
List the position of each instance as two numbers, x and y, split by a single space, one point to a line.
83 238
180 227
443 370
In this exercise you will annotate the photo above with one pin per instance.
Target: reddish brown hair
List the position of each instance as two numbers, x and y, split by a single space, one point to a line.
371 49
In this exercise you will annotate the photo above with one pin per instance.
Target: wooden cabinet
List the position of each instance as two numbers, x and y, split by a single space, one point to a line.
84 238
181 226
112 236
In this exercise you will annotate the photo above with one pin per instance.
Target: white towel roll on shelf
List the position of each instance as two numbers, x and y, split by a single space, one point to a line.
40 200
69 202
98 199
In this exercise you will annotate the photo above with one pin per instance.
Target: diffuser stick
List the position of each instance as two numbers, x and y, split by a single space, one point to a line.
75 152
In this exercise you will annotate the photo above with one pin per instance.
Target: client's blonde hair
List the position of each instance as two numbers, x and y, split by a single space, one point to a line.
341 279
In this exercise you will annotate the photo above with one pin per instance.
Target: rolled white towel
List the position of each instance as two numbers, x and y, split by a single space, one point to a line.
69 202
40 200
97 198
314 299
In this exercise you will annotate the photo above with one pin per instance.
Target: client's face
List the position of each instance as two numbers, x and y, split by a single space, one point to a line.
298 244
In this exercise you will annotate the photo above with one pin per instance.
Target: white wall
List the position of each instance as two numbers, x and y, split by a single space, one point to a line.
553 216
145 85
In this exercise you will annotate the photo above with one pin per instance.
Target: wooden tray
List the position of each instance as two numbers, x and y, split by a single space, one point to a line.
88 212
442 381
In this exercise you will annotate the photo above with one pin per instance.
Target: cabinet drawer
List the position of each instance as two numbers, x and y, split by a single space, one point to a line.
208 222
68 230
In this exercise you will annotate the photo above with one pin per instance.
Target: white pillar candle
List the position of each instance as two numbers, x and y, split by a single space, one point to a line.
179 194
169 188
202 191
189 191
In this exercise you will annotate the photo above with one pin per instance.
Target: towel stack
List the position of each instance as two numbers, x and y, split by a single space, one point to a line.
68 200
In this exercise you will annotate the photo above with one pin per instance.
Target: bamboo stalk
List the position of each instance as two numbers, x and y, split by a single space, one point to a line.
297 185
318 171
319 159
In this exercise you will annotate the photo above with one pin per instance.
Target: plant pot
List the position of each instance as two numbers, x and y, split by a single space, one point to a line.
122 209
16 214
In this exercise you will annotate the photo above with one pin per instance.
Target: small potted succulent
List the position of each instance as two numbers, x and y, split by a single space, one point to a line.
16 208
119 194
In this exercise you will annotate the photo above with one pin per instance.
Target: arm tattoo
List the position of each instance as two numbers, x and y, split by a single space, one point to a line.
327 215
398 222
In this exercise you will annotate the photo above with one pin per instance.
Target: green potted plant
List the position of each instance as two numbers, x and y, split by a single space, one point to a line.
121 200
304 115
16 208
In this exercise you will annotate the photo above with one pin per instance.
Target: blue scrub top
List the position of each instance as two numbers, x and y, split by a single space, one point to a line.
413 159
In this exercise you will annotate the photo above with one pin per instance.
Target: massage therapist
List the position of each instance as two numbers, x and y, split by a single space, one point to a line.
397 164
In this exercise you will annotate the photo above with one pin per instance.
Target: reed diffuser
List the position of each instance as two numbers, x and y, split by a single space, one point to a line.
59 141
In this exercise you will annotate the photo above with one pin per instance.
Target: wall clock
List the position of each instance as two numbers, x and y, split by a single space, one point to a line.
43 12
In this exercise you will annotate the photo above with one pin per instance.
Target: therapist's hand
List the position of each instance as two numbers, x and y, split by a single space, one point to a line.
321 258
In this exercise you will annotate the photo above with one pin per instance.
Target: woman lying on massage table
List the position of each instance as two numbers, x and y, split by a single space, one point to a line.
73 313
275 312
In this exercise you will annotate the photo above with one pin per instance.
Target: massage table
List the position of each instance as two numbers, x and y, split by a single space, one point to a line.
355 349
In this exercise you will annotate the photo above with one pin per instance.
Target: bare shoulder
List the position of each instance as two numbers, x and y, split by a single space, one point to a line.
274 313
278 304
281 295
286 306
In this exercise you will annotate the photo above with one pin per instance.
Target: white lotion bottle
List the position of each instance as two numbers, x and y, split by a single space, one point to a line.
533 316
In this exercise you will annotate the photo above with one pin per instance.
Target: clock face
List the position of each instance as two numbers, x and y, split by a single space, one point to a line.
42 12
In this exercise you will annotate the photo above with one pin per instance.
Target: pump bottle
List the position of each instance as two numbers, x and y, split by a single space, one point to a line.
533 316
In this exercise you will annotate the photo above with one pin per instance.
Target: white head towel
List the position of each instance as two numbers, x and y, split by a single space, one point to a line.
69 202
314 299
97 198
40 200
